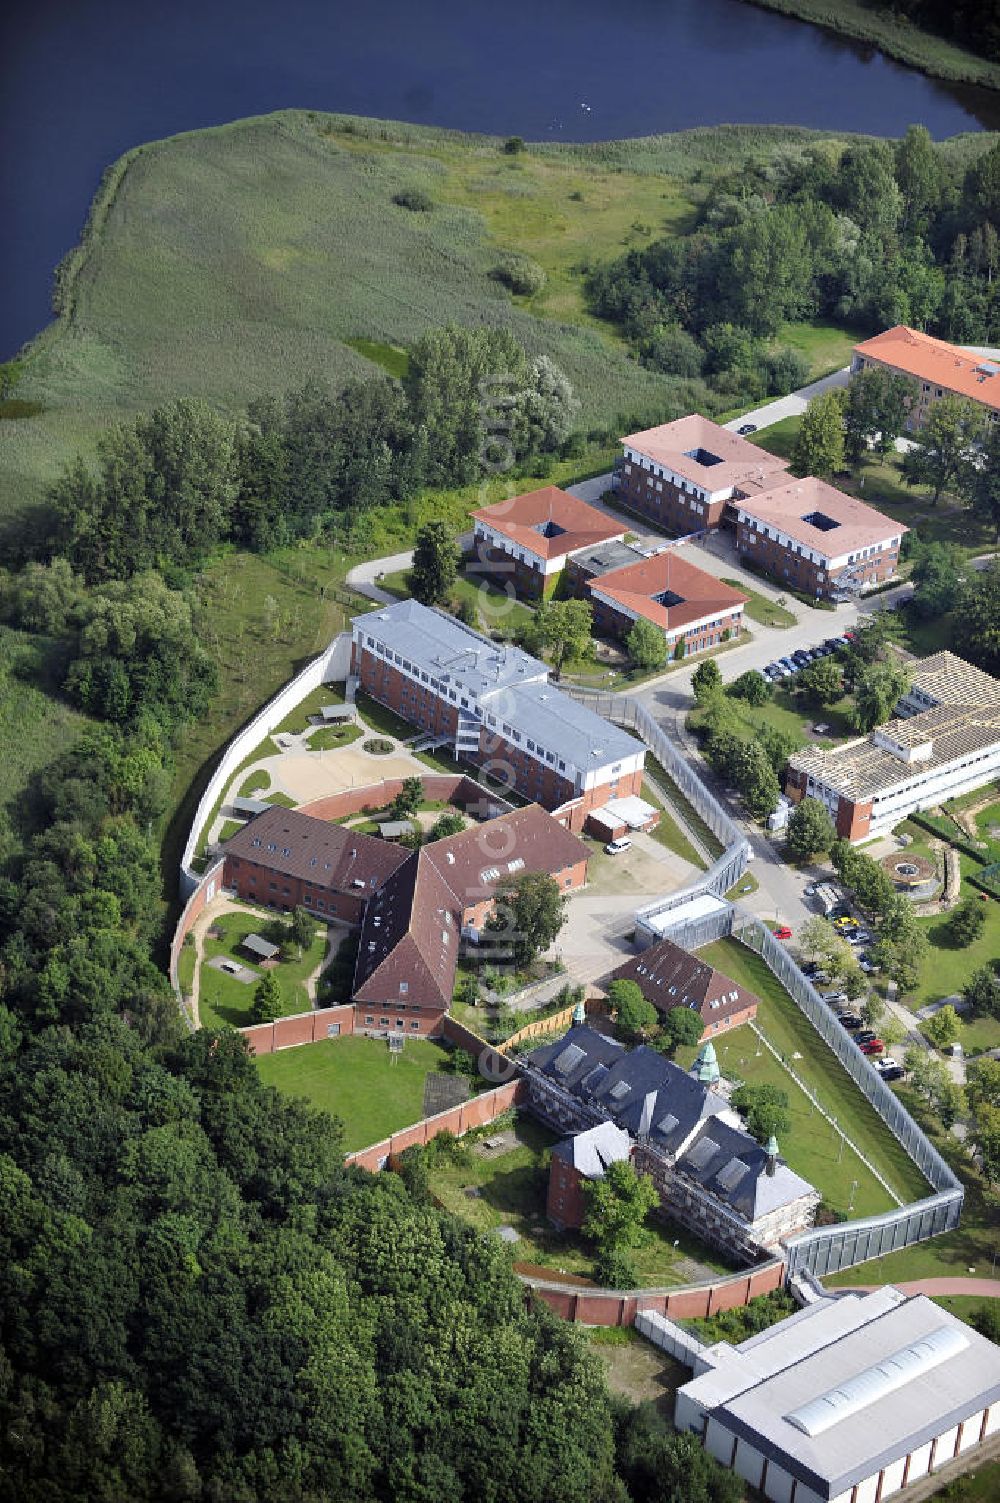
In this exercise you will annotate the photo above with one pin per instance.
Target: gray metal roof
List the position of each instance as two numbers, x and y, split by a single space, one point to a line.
508 683
543 714
261 947
733 1166
889 1403
452 653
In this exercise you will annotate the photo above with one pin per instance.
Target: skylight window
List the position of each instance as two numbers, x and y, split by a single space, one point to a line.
668 598
820 521
703 457
548 529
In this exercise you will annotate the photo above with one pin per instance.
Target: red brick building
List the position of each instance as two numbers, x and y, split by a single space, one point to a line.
816 539
492 705
413 906
527 539
681 475
670 977
587 1156
687 604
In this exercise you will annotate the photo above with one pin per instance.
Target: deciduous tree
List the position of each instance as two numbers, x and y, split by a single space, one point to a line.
764 1108
810 830
681 1026
563 628
529 911
943 455
646 644
819 446
633 1014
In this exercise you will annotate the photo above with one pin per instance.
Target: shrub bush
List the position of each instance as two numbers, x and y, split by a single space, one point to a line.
519 274
414 199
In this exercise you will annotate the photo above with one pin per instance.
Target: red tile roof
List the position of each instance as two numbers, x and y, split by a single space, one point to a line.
787 504
703 452
473 862
520 517
937 362
637 586
670 977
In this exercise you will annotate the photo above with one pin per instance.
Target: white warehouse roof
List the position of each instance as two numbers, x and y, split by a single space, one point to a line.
845 1388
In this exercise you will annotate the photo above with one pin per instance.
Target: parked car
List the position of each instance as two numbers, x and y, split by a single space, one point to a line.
867 966
896 1072
809 967
872 1046
840 910
811 889
844 922
835 997
746 429
822 978
801 657
615 847
787 664
783 932
887 1063
851 1021
815 653
866 1035
863 936
772 671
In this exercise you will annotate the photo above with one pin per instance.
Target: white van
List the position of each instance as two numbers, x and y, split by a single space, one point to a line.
614 847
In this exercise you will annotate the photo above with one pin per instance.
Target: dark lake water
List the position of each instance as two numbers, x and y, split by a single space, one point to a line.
83 80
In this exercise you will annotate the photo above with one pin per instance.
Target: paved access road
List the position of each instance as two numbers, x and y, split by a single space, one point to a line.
791 406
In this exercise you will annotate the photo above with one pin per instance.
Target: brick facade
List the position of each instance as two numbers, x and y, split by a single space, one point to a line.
566 1202
663 501
804 574
699 638
527 578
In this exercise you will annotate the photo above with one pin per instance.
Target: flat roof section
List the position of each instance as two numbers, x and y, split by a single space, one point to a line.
937 362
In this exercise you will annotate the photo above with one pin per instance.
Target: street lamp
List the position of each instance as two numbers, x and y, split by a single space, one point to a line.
850 1203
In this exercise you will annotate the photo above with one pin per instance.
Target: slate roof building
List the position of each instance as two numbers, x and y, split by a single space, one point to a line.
936 368
585 1156
849 1400
670 977
943 741
527 539
413 906
493 705
709 1172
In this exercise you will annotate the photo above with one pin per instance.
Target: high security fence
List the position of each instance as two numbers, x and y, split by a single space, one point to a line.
829 1248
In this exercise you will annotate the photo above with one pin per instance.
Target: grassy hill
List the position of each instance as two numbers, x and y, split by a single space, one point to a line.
244 259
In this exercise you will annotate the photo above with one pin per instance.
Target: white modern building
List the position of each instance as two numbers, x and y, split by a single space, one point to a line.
943 741
850 1400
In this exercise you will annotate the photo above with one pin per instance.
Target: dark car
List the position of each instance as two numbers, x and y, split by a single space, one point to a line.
747 428
801 656
809 967
894 1072
865 1036
851 1021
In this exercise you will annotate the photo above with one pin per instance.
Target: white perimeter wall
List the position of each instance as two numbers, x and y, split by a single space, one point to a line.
333 663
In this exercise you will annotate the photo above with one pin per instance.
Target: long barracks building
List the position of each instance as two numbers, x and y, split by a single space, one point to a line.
492 705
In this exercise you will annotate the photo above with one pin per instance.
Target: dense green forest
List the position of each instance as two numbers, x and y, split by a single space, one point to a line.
973 23
881 233
198 1300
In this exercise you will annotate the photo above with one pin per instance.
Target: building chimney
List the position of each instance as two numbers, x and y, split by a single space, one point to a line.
771 1149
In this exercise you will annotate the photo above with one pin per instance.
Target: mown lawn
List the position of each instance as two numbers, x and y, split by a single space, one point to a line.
496 611
356 1079
791 1033
381 720
947 968
760 608
669 833
299 719
331 737
222 999
511 1185
968 1251
811 1147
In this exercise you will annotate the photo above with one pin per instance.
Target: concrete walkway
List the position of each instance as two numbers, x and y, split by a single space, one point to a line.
791 406
987 1288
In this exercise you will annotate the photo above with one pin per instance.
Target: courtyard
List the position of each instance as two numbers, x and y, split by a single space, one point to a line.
221 976
505 1186
373 1092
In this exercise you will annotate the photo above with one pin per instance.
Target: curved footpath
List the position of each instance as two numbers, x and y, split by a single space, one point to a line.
988 1288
